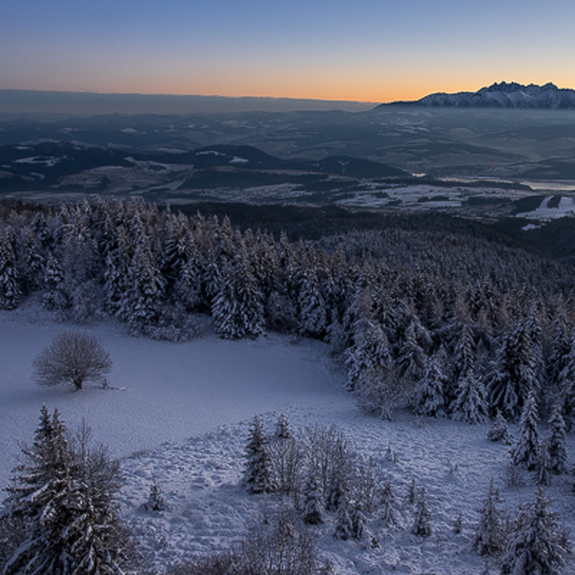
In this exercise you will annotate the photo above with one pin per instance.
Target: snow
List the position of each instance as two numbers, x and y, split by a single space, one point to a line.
179 414
565 208
210 153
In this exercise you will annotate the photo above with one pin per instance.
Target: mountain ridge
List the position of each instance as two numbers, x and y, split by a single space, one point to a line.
500 95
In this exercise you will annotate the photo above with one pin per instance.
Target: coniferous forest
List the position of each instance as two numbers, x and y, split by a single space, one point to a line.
436 318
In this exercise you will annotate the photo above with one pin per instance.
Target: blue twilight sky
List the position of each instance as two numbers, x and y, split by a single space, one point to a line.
365 50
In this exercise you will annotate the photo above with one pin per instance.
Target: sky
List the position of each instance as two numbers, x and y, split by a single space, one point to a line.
360 50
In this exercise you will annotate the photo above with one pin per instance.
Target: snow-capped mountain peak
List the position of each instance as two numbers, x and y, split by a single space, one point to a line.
503 95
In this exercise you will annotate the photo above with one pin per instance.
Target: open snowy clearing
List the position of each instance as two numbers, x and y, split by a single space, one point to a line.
179 414
160 391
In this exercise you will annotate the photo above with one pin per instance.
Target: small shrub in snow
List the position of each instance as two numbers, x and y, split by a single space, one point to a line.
71 358
422 520
458 524
513 476
276 545
156 501
499 430
382 392
389 514
412 492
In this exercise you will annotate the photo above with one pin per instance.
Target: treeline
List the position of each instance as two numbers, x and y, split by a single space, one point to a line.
440 321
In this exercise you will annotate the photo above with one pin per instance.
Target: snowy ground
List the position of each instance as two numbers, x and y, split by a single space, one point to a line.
180 414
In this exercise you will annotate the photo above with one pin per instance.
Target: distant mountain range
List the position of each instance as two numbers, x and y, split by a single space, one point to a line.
502 95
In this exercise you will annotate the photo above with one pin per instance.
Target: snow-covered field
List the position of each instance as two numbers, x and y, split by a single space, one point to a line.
179 414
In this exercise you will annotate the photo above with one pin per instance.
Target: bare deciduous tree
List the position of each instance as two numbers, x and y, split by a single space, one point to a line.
71 358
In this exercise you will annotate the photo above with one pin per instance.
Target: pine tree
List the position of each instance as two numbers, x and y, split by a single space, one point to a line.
370 349
412 358
63 496
33 262
237 308
566 384
422 520
470 404
344 524
141 303
258 473
10 282
463 359
431 399
490 531
526 449
311 504
388 503
514 374
96 539
556 442
40 498
54 296
544 464
312 305
538 543
283 430
560 349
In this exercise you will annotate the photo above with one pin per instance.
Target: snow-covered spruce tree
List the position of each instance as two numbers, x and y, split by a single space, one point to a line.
95 537
389 513
499 430
544 464
39 499
350 521
237 309
258 476
566 384
142 301
370 347
412 357
311 506
422 519
54 296
10 281
490 534
538 543
463 359
62 497
559 355
313 316
514 374
431 399
32 262
526 449
283 430
556 442
470 404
